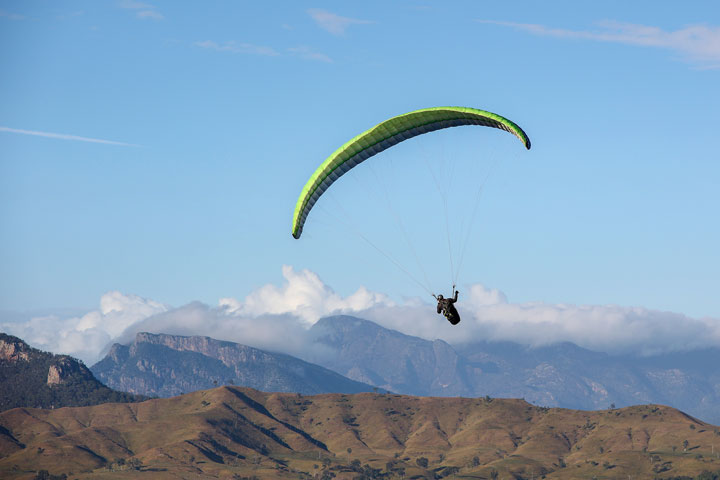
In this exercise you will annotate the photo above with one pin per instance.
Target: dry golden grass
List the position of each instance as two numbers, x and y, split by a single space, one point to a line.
231 431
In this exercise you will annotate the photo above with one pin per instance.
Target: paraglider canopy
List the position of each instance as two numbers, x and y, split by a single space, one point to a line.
385 135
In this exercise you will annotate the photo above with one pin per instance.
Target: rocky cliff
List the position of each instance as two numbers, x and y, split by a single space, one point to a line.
168 365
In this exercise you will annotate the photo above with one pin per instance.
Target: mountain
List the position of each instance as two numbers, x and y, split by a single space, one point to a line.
366 352
232 432
569 376
561 375
33 378
168 365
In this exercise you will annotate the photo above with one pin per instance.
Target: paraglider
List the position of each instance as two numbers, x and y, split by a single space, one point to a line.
447 308
383 136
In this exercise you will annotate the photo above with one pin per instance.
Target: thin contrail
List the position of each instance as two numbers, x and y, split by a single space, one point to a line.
63 136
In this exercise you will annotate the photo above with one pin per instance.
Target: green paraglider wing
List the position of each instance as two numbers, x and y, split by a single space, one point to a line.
383 136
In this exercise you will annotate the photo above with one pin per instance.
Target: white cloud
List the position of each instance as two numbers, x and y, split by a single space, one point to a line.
278 317
305 296
63 136
333 23
235 47
257 320
696 43
480 297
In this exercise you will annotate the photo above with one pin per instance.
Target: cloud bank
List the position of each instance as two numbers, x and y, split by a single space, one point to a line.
695 43
278 317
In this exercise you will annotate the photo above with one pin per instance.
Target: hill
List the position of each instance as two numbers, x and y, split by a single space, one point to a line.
168 365
232 432
33 378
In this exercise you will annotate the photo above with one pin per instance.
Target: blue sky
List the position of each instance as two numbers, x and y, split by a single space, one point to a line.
158 148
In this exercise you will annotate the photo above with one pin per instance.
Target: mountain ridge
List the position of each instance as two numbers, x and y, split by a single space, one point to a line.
168 365
560 375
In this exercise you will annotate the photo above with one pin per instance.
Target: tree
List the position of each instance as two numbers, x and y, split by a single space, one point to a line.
493 474
422 462
45 475
707 475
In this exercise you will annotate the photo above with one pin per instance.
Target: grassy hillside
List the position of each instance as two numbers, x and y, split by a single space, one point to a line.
232 432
